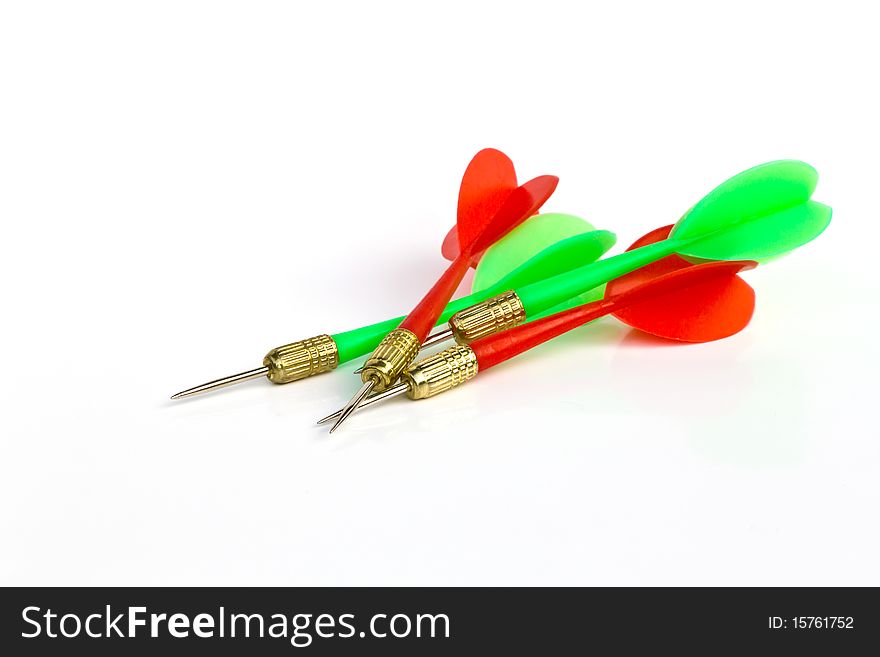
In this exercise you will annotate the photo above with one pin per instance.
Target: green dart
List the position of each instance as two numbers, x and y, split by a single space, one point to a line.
571 243
757 215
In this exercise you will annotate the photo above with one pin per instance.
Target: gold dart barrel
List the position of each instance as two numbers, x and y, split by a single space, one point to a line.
302 359
491 316
393 355
441 372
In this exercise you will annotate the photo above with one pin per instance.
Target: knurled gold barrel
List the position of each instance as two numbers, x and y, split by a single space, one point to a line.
440 372
494 315
302 359
393 355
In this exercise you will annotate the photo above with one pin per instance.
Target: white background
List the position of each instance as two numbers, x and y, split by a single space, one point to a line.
184 185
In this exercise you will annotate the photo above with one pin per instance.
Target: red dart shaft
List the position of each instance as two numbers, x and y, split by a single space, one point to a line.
423 317
500 347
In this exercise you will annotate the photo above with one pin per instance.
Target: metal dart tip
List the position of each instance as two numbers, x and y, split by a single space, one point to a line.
359 370
353 403
221 383
332 416
393 391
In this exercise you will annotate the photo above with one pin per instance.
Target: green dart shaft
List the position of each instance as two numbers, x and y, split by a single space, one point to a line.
546 294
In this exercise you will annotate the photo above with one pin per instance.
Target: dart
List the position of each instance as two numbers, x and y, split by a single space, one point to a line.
566 242
672 299
759 214
489 206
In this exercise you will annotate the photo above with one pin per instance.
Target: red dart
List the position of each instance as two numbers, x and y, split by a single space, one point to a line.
490 206
696 303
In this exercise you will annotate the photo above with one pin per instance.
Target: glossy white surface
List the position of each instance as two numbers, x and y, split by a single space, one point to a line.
186 185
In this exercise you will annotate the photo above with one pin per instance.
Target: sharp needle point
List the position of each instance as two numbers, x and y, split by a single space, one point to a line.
332 416
353 403
358 370
220 383
393 391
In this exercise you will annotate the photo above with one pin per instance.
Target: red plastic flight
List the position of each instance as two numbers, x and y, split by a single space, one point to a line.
489 179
